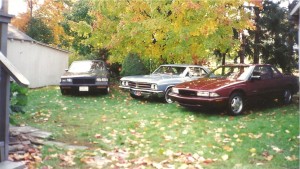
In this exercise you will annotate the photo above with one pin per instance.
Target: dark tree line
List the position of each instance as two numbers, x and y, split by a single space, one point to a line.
274 38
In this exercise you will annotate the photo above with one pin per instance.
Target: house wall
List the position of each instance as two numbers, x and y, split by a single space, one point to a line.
40 64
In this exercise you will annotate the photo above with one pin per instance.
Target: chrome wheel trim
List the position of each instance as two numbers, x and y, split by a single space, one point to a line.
287 96
167 98
236 104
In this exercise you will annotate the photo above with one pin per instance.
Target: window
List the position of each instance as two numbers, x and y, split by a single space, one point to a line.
265 72
276 73
196 72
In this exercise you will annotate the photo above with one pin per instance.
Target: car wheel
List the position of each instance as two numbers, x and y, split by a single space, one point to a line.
236 104
287 97
64 91
134 96
106 91
167 98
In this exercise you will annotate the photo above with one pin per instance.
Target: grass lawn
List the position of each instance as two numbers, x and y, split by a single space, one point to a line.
125 133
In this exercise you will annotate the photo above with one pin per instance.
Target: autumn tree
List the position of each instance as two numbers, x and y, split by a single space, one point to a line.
167 31
48 15
21 21
52 14
78 13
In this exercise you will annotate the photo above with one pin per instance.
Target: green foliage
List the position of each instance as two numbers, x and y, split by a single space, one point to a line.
101 54
74 56
18 98
39 31
133 65
164 31
79 14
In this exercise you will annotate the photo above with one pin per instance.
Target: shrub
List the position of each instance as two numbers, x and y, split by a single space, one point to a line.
18 98
133 65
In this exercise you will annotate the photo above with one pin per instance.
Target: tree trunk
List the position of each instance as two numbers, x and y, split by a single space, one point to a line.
223 58
242 50
256 40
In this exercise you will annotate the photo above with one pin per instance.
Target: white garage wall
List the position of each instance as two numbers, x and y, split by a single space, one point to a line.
40 64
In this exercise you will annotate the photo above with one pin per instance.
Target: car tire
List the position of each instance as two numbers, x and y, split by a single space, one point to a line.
134 96
166 97
64 91
286 97
236 104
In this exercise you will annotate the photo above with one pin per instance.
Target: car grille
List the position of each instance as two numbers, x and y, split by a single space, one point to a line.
139 85
187 93
84 81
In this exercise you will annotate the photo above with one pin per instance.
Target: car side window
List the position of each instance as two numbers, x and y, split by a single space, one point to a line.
264 72
196 72
276 73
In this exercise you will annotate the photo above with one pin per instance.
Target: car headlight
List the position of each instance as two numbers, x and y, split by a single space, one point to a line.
207 94
212 94
102 79
124 83
203 94
175 90
154 86
66 80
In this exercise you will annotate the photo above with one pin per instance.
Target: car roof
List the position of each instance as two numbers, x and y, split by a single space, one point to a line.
88 61
181 65
243 64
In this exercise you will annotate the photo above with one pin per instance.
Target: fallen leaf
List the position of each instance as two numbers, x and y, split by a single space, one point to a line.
276 149
255 136
252 150
269 158
184 132
97 136
293 158
228 148
225 157
270 134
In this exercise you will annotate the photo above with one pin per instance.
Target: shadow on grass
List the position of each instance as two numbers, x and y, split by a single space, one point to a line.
251 108
86 94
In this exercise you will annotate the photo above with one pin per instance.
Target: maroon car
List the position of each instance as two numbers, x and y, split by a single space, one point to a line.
230 85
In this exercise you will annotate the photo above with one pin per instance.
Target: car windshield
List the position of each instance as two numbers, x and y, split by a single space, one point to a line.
231 72
171 70
85 66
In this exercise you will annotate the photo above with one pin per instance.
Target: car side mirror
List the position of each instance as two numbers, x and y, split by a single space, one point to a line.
257 77
188 74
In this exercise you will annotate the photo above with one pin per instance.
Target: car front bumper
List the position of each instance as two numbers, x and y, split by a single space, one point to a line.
144 92
195 101
84 87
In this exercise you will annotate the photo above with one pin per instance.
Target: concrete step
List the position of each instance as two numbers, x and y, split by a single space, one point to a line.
12 165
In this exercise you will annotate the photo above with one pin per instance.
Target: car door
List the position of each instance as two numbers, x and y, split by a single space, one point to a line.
278 84
265 85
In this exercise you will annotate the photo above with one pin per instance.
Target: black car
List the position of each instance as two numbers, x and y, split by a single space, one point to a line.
85 76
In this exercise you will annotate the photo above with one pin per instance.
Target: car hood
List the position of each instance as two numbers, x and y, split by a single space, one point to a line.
150 78
86 74
208 83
